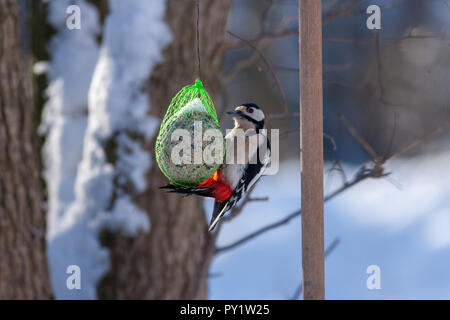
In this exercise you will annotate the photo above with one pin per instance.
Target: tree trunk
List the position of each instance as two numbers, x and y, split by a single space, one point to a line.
23 265
166 262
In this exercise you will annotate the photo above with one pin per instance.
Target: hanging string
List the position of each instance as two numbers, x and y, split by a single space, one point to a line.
198 38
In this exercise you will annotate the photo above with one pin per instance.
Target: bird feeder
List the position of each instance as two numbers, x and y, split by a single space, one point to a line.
190 107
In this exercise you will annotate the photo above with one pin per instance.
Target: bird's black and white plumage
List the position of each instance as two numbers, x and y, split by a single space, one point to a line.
242 175
247 155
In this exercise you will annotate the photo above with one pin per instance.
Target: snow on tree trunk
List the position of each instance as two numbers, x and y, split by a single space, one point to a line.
74 54
113 162
23 265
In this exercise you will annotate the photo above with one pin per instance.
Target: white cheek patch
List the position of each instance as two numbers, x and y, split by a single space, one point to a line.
259 115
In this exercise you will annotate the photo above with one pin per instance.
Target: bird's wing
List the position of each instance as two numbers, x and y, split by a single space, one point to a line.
252 173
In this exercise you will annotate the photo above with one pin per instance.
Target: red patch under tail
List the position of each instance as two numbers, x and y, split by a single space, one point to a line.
221 190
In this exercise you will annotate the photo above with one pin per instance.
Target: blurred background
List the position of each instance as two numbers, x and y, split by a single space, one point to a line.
91 102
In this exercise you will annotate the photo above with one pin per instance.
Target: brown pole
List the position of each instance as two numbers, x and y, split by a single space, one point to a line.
311 146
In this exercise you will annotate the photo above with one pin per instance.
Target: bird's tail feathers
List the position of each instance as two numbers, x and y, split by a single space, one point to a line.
203 192
220 208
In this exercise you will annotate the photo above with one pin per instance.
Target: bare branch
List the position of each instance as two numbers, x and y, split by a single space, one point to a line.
225 97
344 85
359 138
345 12
258 199
287 133
266 62
392 41
259 232
336 166
349 10
376 171
382 97
445 125
226 45
362 175
394 131
331 139
329 174
282 115
241 65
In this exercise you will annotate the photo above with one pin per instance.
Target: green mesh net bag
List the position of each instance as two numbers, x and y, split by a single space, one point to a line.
192 106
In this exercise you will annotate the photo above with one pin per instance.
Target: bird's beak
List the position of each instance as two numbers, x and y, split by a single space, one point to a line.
235 113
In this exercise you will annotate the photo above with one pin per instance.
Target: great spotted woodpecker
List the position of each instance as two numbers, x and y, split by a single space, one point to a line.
233 180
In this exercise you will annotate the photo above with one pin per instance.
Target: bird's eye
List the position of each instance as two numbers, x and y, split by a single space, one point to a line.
250 110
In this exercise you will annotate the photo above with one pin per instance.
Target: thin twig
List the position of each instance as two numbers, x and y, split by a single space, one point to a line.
282 115
358 87
331 139
225 97
287 133
329 175
359 138
241 65
389 41
348 10
382 96
230 44
258 199
226 45
266 62
362 175
394 132
259 232
421 139
345 12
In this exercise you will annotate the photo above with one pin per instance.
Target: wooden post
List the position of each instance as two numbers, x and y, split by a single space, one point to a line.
311 145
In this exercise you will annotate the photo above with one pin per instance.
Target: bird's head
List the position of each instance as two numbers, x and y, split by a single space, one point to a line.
248 115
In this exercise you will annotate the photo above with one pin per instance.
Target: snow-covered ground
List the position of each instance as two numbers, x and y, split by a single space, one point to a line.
406 232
